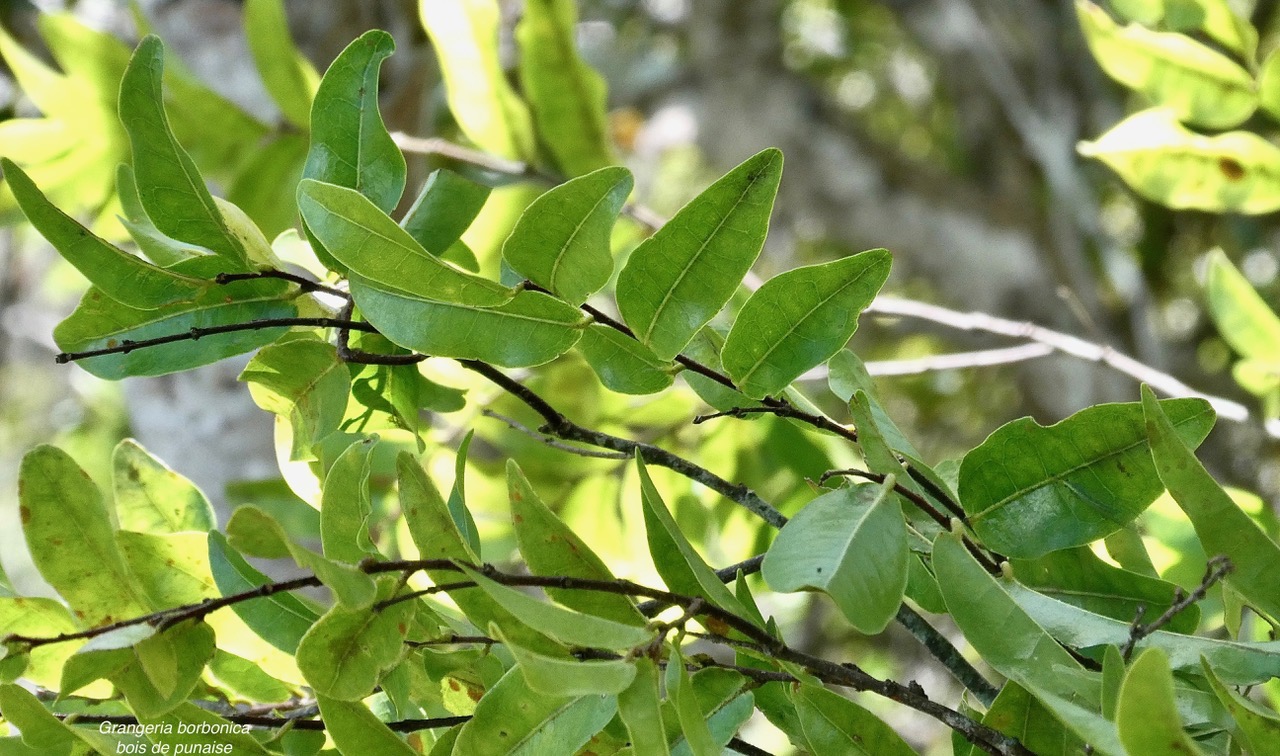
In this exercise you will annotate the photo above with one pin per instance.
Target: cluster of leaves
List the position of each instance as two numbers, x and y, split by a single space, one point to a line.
1161 151
423 647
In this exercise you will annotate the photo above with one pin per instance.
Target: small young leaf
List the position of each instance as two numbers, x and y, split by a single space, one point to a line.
100 322
303 381
569 627
561 242
443 210
1147 715
1199 84
680 277
350 145
116 273
566 95
622 363
567 676
346 652
355 729
850 544
151 498
551 548
370 244
834 724
1164 162
514 720
487 109
170 185
529 330
345 508
1222 526
847 376
70 537
639 706
799 319
289 77
1031 489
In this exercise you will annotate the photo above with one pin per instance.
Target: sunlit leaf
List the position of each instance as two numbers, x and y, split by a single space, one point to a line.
187 647
1147 716
151 498
1248 325
799 319
464 34
851 544
513 720
281 619
561 242
1199 84
39 617
567 97
1238 171
1222 526
304 382
680 277
1031 489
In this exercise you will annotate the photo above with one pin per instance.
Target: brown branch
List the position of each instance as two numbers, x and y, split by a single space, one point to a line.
1218 567
306 284
195 334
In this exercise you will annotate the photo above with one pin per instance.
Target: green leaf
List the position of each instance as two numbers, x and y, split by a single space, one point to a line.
1244 320
567 97
346 508
40 729
151 498
169 184
465 37
564 625
443 210
40 617
680 277
346 652
458 497
834 724
1147 715
280 619
1259 727
1200 85
1031 489
186 647
264 186
1018 714
71 539
1078 577
622 363
1216 19
350 145
289 77
1238 171
368 242
100 322
355 729
567 676
172 569
846 376
514 720
719 700
692 724
549 547
851 544
116 273
561 241
1222 526
163 250
254 532
1239 663
675 559
1003 634
529 330
799 319
303 381
1269 85
639 706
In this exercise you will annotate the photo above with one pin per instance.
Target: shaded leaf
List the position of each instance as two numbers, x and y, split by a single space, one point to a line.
151 498
289 77
162 250
346 652
834 724
561 242
639 706
458 497
567 97
1246 323
799 319
1031 489
1146 715
443 210
1238 171
567 676
851 544
1199 84
622 363
187 647
345 506
304 382
1258 726
355 729
514 720
280 619
1222 526
1018 714
680 277
191 729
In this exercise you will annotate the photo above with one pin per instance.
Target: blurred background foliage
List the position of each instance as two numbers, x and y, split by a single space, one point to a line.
945 130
